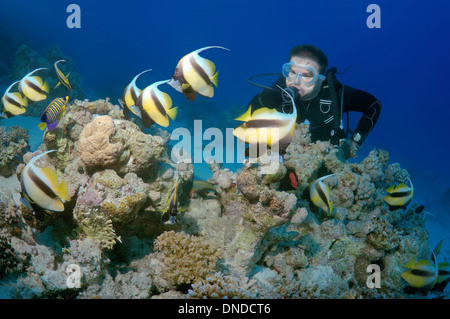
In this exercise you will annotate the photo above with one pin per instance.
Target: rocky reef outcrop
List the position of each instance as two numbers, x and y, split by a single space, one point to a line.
252 237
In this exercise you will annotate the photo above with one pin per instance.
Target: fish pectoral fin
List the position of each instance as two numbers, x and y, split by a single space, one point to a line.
63 191
172 113
58 84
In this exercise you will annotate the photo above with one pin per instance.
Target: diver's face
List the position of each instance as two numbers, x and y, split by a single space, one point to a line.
307 92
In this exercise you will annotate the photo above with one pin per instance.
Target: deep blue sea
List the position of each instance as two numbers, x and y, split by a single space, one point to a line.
404 63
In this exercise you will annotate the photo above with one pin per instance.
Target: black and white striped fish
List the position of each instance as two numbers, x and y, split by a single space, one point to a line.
267 126
399 195
156 106
63 79
319 193
13 103
129 97
195 74
33 87
40 186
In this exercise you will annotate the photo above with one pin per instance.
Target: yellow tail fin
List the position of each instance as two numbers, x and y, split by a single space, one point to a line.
42 125
215 78
173 112
45 87
63 191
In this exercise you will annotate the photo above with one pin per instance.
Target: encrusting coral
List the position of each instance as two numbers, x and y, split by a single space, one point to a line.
13 145
186 258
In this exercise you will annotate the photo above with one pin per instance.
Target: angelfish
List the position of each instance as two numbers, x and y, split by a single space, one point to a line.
33 87
195 74
156 106
130 95
63 79
267 126
319 193
399 195
53 113
13 103
40 186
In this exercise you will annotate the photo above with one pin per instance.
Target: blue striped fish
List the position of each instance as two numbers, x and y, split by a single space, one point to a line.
52 113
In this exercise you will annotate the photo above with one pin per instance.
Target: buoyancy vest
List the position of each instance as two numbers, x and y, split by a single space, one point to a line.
325 112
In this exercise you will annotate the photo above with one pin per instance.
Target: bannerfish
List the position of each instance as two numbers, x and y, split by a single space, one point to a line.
319 193
130 96
268 126
420 274
156 106
443 273
13 103
428 273
53 113
33 87
399 195
63 79
195 74
40 186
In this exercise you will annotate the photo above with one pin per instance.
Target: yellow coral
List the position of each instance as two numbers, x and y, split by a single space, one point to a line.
186 258
99 227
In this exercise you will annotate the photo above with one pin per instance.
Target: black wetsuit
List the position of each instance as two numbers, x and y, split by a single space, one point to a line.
325 112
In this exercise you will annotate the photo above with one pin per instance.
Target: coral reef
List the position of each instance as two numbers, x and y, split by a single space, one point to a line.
251 238
14 144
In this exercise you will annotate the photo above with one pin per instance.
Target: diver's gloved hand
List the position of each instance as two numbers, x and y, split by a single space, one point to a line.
349 147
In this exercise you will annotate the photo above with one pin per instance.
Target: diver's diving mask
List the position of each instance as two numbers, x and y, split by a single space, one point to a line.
296 73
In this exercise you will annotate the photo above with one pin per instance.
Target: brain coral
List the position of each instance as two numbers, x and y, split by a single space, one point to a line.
95 145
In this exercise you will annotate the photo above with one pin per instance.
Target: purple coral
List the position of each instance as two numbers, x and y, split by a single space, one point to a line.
90 198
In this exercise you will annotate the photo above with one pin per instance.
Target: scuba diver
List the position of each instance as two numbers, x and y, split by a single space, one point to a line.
321 100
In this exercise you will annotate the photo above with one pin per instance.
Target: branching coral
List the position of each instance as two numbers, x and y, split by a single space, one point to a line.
220 286
187 258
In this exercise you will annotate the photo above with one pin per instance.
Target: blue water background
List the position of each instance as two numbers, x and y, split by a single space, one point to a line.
404 63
